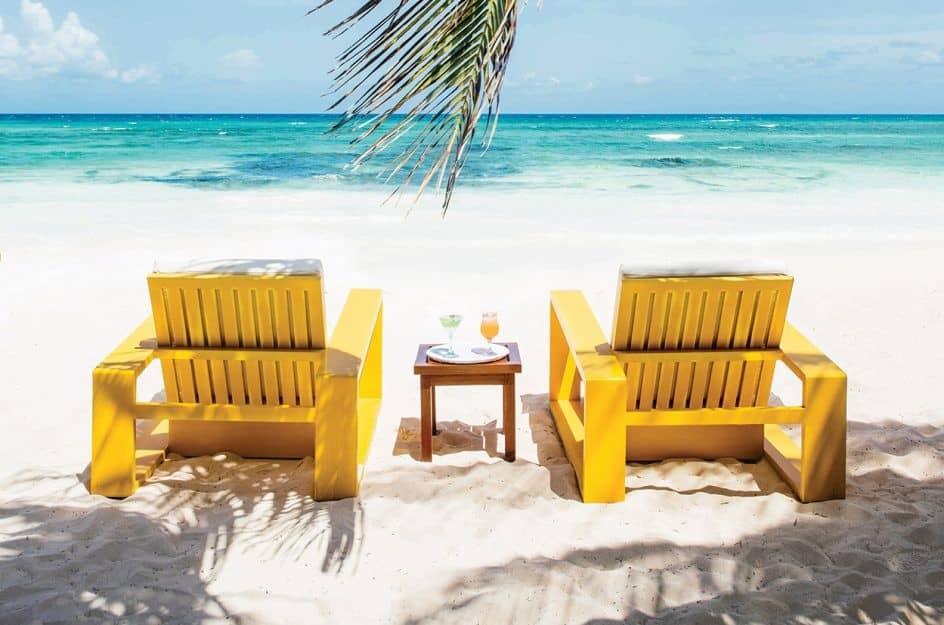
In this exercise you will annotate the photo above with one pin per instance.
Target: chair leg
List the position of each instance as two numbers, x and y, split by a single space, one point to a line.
823 448
604 445
112 470
335 438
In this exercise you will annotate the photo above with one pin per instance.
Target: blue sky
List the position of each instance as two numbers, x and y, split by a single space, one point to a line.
571 56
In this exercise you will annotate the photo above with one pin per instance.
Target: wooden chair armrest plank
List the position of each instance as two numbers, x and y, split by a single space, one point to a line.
351 339
591 351
804 358
135 352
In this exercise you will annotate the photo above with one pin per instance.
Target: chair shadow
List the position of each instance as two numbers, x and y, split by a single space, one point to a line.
761 477
550 450
453 437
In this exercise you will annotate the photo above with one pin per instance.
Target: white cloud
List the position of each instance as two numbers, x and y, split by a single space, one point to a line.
70 48
240 63
928 57
141 73
9 50
640 79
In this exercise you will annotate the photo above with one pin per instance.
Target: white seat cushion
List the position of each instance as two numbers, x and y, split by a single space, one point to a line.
247 267
696 268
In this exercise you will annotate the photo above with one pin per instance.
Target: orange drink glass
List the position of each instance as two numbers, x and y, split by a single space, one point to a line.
489 327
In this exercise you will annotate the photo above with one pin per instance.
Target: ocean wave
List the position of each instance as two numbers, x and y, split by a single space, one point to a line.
730 147
724 120
298 123
768 125
673 162
222 133
666 136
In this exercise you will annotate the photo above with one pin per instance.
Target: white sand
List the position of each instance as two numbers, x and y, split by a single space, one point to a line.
470 538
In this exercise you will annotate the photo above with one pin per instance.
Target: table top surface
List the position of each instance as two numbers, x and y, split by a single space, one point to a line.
509 364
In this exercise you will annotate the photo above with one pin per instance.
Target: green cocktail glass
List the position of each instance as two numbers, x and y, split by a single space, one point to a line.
450 323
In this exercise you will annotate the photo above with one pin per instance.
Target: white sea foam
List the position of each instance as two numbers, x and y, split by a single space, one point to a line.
666 136
730 147
222 132
298 123
725 120
768 125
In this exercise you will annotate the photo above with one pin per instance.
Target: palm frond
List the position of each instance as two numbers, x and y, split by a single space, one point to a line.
421 77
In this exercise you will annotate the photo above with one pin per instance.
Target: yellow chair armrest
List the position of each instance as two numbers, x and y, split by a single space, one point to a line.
804 358
584 337
134 353
351 339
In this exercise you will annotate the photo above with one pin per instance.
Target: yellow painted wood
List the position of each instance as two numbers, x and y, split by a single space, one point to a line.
162 334
682 356
598 458
368 409
783 454
284 340
196 331
717 416
336 436
823 445
587 344
224 412
314 356
352 365
247 305
177 317
240 352
229 337
213 328
696 356
304 375
647 387
113 466
705 339
604 444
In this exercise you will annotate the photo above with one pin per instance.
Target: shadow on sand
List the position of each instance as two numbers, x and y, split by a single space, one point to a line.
453 437
152 561
811 570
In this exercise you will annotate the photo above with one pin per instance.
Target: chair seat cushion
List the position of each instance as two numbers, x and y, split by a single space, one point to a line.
680 270
246 267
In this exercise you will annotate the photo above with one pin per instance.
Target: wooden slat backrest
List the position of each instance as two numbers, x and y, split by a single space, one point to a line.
239 311
725 312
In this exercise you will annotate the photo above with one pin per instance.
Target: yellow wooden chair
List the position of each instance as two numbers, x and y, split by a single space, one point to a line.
246 368
687 373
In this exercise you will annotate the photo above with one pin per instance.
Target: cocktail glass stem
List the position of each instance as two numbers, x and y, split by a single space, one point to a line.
452 334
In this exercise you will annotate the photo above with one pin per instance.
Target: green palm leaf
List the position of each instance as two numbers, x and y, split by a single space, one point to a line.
439 63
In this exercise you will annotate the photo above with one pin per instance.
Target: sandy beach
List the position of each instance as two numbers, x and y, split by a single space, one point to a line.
470 538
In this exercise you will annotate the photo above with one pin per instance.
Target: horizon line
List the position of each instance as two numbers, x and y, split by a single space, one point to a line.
505 114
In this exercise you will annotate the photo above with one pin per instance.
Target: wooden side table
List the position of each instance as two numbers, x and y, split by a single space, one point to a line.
499 373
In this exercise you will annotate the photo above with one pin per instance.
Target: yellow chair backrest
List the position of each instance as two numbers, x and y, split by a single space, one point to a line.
247 305
704 313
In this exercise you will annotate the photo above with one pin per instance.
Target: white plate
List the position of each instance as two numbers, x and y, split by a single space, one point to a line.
466 354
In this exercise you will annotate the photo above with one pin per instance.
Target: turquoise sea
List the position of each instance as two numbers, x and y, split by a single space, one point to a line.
642 153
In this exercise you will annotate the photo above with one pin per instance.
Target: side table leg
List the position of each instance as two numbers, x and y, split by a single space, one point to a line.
426 420
432 405
509 408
